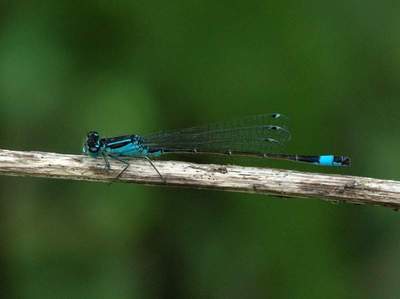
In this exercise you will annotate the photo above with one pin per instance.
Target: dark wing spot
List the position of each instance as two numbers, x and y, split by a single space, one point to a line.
275 115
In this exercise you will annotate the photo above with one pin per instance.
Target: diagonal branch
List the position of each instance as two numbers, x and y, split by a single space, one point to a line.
277 182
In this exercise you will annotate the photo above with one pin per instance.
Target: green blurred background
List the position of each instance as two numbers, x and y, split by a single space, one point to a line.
139 66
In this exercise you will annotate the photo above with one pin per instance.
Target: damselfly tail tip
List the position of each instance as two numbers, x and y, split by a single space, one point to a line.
331 160
345 161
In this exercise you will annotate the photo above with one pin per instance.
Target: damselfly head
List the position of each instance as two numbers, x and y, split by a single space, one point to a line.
92 144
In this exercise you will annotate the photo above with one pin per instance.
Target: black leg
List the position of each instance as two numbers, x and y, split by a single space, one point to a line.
155 168
122 161
106 161
127 165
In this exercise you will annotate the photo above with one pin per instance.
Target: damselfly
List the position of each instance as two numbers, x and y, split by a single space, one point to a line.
255 136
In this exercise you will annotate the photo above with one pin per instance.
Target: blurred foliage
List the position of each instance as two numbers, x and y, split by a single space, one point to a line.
134 67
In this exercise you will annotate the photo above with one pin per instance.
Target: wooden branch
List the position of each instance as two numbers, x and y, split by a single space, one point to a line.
276 182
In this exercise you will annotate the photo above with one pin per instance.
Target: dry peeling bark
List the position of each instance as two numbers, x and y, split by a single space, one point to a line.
276 182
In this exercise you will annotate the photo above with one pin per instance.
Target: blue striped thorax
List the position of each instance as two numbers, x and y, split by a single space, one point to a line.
129 145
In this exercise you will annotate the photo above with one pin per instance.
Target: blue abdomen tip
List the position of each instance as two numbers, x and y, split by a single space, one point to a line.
326 160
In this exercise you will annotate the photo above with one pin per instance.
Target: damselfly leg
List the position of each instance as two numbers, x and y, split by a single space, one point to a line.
122 161
155 168
106 161
127 165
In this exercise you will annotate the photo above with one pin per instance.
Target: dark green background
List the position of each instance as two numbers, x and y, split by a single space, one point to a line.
139 66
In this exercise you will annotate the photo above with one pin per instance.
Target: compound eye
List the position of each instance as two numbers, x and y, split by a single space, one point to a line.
93 135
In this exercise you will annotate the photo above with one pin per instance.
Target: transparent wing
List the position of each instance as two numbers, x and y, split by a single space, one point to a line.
258 133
